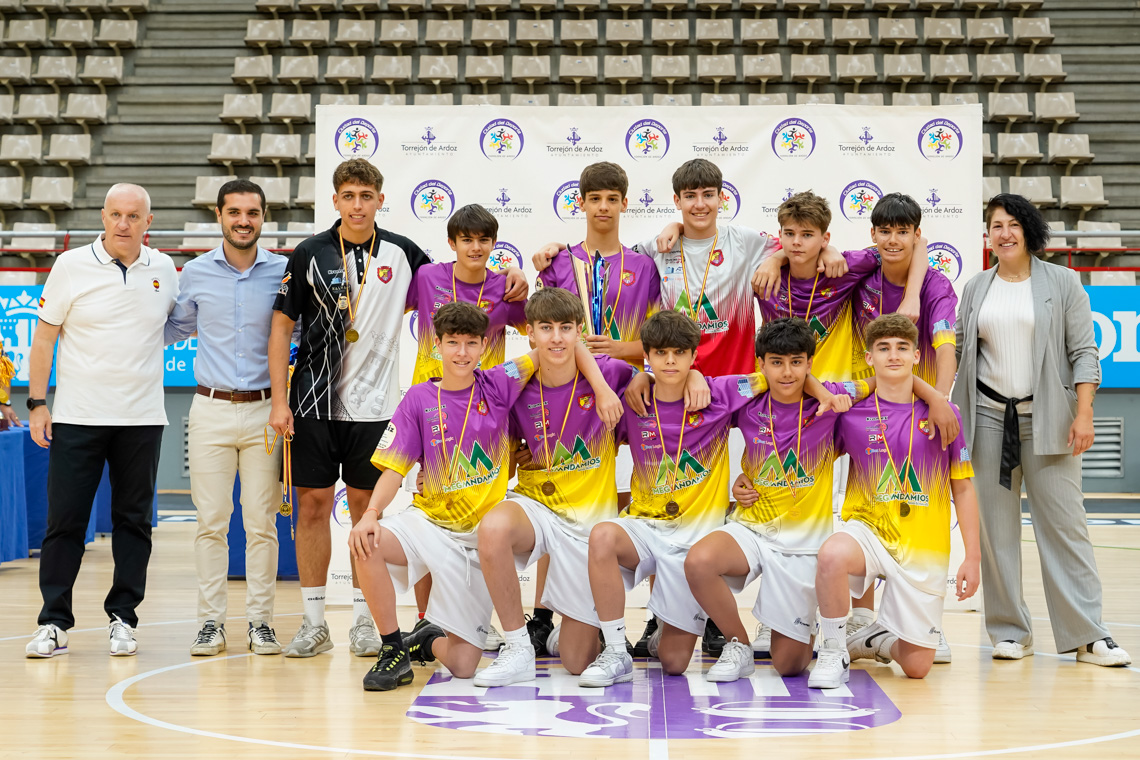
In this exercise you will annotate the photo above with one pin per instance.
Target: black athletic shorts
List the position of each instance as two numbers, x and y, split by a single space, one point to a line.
325 449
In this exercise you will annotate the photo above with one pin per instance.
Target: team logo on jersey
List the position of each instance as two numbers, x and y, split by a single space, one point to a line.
481 407
900 486
686 471
729 202
946 259
858 199
357 138
384 273
475 468
940 139
786 472
501 138
695 419
576 458
647 139
628 277
586 401
703 308
156 284
432 199
717 258
924 426
568 201
503 256
793 138
486 305
42 302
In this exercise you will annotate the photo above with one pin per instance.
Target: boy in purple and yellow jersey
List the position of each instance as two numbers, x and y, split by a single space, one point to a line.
896 520
457 428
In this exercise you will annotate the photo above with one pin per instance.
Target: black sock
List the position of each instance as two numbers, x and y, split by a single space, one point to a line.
395 638
544 614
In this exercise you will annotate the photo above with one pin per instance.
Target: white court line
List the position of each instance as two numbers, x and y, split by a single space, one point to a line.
141 625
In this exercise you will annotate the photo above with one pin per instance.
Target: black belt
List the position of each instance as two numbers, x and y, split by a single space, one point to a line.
1010 434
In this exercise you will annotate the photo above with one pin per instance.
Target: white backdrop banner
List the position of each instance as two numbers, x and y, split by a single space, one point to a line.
523 164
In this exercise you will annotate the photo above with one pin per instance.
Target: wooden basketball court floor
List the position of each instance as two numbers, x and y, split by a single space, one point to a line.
163 703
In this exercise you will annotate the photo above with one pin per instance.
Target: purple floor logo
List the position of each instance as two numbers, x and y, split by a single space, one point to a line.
946 259
940 139
793 138
501 138
356 138
433 200
858 199
504 255
554 705
647 139
729 202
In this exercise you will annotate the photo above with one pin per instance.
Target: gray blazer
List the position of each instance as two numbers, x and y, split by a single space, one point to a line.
1064 352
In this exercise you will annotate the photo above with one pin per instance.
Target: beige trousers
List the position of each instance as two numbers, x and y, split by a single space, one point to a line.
226 439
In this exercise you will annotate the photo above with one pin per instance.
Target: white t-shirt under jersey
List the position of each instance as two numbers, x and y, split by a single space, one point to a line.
1005 342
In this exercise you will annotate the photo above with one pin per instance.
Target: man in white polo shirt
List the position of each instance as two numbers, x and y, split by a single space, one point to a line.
107 304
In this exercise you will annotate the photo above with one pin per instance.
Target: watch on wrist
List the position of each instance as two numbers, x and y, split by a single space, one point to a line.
34 402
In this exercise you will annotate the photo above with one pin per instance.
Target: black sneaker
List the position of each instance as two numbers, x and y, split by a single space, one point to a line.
628 646
393 668
419 625
418 642
539 631
641 648
712 643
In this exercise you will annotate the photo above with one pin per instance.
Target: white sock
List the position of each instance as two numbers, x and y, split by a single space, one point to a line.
863 615
517 637
359 606
885 645
613 631
834 628
313 604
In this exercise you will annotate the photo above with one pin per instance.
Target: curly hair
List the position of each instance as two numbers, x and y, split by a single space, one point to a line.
1032 223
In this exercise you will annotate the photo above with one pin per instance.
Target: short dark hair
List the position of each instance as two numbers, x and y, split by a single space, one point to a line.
786 336
555 306
696 174
473 220
670 329
893 325
896 210
460 318
357 171
240 186
1032 223
604 175
805 208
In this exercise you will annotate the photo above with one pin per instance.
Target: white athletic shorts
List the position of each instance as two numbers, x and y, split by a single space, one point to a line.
623 469
786 601
671 600
735 454
914 615
567 589
459 601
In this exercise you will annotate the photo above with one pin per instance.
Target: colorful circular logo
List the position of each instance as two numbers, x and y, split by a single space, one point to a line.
793 138
647 140
729 202
357 138
568 201
858 199
503 256
414 316
432 200
340 509
940 139
946 259
502 138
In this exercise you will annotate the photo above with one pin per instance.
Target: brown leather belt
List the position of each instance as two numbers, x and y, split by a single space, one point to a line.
234 397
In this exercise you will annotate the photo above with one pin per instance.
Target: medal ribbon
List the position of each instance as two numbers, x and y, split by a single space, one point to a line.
704 281
455 293
799 439
286 473
811 300
447 461
353 308
565 417
680 441
910 446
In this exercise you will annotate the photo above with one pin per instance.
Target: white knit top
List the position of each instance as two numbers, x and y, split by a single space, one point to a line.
1005 342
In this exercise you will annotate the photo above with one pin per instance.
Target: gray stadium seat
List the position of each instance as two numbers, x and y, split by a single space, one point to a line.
391 69
491 7
303 230
253 70
715 32
1085 193
1032 31
17 150
979 5
1038 190
934 5
669 69
310 33
1010 107
987 148
625 32
1097 243
27 33
86 7
719 99
7 108
279 150
986 31
265 33
815 98
399 33
386 99
15 70
490 33
806 32
810 69
52 192
291 108
623 69
45 6
856 68
444 34
306 192
846 6
74 33
56 70
38 109
890 6
433 99
12 193
905 68
716 69
897 32
943 32
481 99
69 151
537 33
669 32
577 69
277 191
670 99
863 99
406 6
802 6
996 68
757 6
911 99
759 32
1044 68
298 70
102 70
957 98
85 109
355 33
611 99
448 6
579 33
949 68
668 6
118 33
577 99
1018 148
439 70
537 6
991 186
1069 150
763 69
241 109
524 99
275 6
339 99
485 69
851 32
582 6
228 149
1056 107
345 69
531 69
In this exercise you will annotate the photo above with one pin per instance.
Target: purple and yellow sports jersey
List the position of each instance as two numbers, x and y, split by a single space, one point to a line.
479 468
724 309
581 459
938 305
696 477
431 289
632 296
907 503
799 523
830 314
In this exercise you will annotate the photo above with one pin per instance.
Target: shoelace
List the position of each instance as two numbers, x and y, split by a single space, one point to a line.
510 653
361 629
831 656
737 655
610 656
119 629
263 633
388 659
308 631
209 630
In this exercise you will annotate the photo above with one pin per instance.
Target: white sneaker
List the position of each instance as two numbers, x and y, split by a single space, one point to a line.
614 665
494 640
654 643
262 638
552 640
762 644
942 653
515 664
363 638
1011 650
736 661
122 637
211 640
1104 652
859 619
309 641
48 641
873 642
832 667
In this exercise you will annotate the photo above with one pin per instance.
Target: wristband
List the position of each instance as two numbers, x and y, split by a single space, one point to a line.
372 509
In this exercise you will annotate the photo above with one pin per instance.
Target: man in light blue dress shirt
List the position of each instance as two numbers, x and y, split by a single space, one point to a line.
226 296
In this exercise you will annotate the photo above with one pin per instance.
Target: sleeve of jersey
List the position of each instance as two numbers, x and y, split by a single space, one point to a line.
856 389
647 247
401 445
960 465
416 256
758 245
652 288
617 373
516 315
555 275
861 263
508 379
55 299
737 390
413 298
294 290
943 306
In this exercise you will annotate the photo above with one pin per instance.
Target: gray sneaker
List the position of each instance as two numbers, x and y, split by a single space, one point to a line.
310 641
614 665
363 638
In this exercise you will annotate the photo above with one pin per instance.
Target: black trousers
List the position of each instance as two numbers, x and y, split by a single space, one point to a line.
75 466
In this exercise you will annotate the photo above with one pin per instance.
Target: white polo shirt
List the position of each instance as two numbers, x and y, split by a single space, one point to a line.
108 365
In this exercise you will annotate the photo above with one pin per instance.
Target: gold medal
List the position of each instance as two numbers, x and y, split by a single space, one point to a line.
904 510
351 335
548 488
672 508
285 509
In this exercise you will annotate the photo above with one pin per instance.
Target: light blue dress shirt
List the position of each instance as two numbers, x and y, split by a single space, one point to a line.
232 312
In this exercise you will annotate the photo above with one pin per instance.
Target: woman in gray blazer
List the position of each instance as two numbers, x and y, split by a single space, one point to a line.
1027 373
